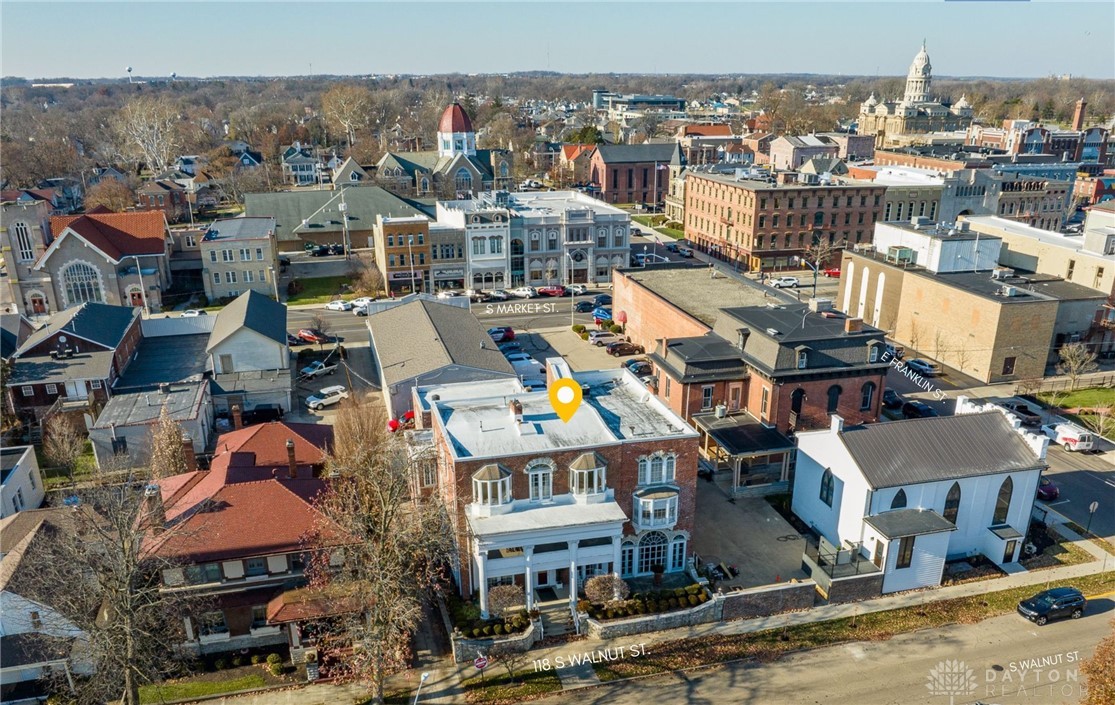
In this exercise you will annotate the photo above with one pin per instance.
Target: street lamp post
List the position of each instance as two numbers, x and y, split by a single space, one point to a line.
425 677
644 255
802 260
274 281
572 293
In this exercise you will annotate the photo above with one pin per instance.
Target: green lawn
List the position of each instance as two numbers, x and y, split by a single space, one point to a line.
320 290
163 692
496 689
772 644
655 221
1081 398
57 477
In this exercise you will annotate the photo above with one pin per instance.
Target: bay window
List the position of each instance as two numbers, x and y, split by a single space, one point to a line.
656 508
491 486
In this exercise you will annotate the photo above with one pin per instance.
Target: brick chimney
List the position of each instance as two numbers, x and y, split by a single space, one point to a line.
153 509
237 418
853 325
665 348
292 464
1078 115
516 408
188 453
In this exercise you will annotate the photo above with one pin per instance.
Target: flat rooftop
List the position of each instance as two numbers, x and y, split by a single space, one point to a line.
947 231
182 401
995 225
504 386
9 458
701 292
246 228
541 203
764 184
171 358
616 408
795 322
905 176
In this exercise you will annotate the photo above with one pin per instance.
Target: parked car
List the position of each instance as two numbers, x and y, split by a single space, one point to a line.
327 397
600 338
924 367
317 368
339 305
1070 436
831 272
638 366
360 310
895 351
477 296
321 251
1024 413
1055 603
263 413
584 307
518 356
601 313
449 293
511 347
892 399
621 347
1048 490
498 295
294 340
685 252
337 249
525 292
784 282
313 335
671 247
194 313
918 410
362 301
602 300
501 334
555 290
577 289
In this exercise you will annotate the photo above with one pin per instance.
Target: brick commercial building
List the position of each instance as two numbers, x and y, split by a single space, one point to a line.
403 253
633 173
549 504
943 294
761 225
238 255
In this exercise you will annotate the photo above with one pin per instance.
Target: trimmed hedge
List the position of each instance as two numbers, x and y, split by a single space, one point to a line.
651 603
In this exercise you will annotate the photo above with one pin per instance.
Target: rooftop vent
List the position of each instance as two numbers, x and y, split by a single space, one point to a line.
773 331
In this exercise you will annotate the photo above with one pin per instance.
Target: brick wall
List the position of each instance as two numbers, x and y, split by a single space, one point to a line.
855 588
767 600
649 316
814 410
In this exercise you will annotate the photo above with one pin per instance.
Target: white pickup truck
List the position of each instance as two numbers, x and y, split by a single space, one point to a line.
317 368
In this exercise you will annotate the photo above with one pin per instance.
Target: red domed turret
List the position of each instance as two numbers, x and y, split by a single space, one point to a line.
454 119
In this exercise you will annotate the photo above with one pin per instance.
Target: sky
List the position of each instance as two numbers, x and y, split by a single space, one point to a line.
200 39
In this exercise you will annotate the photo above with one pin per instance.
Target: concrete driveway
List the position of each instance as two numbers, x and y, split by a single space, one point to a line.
748 534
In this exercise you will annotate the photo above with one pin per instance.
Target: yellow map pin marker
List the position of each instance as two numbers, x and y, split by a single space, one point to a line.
565 397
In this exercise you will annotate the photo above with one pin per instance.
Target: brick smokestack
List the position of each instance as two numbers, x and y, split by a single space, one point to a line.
153 509
1078 115
292 464
188 452
237 418
853 325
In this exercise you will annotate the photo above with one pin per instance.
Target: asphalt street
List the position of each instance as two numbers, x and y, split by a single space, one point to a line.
1083 478
1002 660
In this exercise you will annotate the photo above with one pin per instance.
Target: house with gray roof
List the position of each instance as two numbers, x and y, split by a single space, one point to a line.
249 355
425 342
908 496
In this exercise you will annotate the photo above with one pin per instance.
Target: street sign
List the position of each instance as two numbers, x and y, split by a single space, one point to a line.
1093 507
481 663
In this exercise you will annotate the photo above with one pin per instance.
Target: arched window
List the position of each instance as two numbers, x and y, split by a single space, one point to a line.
952 503
82 283
796 399
541 475
425 184
463 180
1002 504
652 551
834 398
503 171
644 475
25 251
828 483
899 501
867 396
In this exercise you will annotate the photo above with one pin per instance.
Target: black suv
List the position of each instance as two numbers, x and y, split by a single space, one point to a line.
1053 604
918 410
263 413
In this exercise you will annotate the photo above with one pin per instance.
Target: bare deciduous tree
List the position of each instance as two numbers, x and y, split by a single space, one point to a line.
168 452
820 251
606 588
148 126
396 546
510 658
113 194
347 108
64 443
504 597
98 573
1076 360
370 281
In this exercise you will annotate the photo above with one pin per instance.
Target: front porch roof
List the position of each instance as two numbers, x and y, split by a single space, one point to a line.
898 523
1005 531
741 435
304 604
563 513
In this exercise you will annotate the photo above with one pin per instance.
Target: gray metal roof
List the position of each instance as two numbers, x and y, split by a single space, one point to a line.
254 311
898 453
742 434
100 323
663 152
703 358
423 336
290 208
183 402
909 522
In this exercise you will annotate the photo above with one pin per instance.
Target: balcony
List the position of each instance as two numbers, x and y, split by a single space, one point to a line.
264 630
214 636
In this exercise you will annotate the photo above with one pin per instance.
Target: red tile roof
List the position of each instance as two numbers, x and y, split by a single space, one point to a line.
455 119
570 152
303 604
118 235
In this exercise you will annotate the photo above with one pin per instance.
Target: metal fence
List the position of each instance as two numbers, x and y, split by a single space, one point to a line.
1065 385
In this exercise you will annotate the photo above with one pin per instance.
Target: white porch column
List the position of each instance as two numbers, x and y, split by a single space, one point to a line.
528 575
482 578
573 574
616 562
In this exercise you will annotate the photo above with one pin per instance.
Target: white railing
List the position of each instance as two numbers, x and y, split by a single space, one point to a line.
265 630
214 637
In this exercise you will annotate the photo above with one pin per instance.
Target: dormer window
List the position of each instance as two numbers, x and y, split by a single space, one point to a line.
491 486
803 359
587 475
874 351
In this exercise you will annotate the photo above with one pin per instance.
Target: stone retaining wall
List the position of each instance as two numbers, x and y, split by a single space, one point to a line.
855 588
469 649
767 600
707 612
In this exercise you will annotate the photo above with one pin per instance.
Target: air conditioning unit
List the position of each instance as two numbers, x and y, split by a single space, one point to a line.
1000 273
721 411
